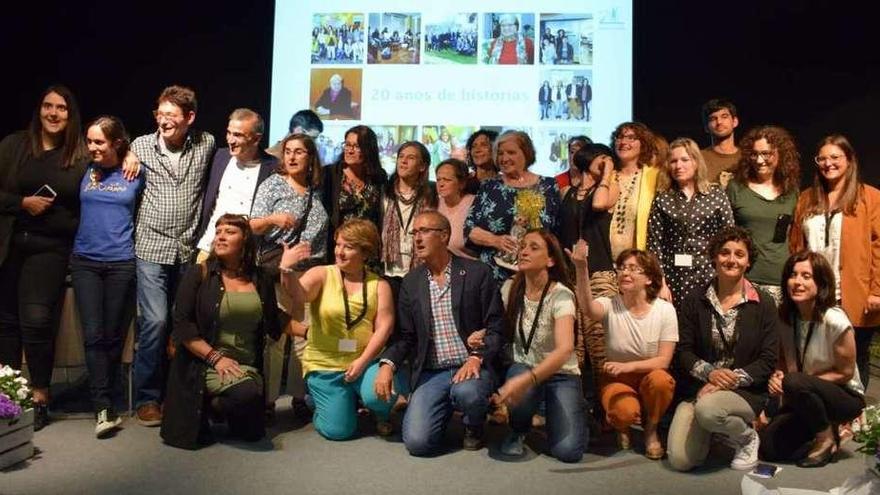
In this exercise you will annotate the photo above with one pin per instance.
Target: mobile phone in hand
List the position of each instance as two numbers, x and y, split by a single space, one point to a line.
46 191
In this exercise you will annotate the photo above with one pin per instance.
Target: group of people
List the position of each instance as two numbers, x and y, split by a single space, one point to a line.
459 41
566 101
338 44
647 274
557 49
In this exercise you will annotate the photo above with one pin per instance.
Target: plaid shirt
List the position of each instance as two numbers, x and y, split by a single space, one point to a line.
448 350
172 198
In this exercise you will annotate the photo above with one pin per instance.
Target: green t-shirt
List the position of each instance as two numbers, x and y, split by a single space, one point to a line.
759 216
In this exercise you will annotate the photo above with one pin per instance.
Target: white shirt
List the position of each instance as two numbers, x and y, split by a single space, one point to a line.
629 338
235 195
819 356
814 230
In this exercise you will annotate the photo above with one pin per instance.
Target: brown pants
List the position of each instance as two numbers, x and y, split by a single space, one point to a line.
624 396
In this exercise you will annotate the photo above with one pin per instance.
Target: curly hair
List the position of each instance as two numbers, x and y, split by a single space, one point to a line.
645 137
732 234
787 175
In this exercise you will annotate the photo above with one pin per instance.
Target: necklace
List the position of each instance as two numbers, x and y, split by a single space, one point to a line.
620 208
406 199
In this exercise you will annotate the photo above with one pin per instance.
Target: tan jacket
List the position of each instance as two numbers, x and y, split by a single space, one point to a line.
859 254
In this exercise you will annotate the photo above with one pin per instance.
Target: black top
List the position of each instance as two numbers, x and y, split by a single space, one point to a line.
62 218
578 220
755 350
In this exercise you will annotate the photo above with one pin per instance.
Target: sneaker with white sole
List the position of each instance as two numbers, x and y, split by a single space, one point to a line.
513 444
746 456
107 422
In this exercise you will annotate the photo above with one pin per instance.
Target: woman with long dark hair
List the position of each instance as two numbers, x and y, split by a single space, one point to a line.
839 216
40 172
352 187
817 381
224 309
407 192
541 311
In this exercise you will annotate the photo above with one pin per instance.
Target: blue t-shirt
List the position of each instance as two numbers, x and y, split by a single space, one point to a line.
106 224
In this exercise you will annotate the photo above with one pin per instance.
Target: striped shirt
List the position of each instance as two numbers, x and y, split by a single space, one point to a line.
172 197
448 350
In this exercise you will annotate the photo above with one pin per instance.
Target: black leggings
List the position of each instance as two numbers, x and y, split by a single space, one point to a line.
245 410
810 405
31 289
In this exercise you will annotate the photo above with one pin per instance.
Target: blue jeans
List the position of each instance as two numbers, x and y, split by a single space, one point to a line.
103 293
156 286
431 405
336 401
566 427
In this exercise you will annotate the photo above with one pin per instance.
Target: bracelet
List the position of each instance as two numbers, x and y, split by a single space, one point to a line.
213 357
285 269
534 378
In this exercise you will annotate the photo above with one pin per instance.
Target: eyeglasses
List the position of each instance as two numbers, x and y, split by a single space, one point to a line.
626 138
830 158
424 231
766 155
351 147
634 269
167 116
297 152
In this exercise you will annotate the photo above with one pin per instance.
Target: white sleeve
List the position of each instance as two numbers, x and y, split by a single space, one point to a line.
669 322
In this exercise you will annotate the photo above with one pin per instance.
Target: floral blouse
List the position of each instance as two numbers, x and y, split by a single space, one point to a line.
494 210
679 231
276 196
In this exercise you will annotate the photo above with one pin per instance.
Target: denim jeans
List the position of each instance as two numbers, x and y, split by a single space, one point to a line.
431 405
565 412
104 293
156 286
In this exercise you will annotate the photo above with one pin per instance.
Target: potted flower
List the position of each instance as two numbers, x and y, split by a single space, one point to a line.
869 437
16 418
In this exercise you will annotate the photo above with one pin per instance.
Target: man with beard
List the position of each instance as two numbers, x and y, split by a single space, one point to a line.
719 120
449 328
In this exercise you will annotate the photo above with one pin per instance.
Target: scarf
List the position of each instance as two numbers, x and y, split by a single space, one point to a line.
521 56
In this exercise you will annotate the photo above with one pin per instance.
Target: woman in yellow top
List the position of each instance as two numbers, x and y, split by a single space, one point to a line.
352 316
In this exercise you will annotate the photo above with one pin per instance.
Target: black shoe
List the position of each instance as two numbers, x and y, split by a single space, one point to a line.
41 416
818 459
473 438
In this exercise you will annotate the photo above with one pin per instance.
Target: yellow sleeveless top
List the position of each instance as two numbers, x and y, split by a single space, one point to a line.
328 326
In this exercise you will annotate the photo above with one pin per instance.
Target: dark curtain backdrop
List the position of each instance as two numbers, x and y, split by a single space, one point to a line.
811 67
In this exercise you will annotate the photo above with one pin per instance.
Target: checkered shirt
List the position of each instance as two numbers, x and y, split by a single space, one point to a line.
448 350
172 198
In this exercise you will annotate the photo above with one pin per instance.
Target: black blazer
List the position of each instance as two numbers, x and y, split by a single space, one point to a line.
196 314
476 304
755 349
218 167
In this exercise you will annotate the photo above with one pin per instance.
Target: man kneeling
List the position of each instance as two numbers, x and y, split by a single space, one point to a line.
441 303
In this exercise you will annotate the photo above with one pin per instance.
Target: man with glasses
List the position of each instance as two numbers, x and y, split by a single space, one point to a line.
720 120
236 173
175 158
449 328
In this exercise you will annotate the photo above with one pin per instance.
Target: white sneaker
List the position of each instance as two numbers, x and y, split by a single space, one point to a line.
746 456
513 445
107 423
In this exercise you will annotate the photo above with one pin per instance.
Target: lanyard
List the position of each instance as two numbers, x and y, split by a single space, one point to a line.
412 212
828 217
349 324
728 347
798 354
527 343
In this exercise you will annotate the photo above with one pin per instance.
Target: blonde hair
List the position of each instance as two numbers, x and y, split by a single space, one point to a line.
362 234
665 180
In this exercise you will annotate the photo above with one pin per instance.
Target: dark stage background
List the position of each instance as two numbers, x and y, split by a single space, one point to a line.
811 67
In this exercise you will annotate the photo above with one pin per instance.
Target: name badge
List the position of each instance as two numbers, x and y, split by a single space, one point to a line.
348 345
684 260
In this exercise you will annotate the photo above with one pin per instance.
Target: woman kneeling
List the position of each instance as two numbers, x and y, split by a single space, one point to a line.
223 311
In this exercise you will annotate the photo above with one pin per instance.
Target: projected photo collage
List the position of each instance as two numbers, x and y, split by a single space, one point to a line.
559 46
448 141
